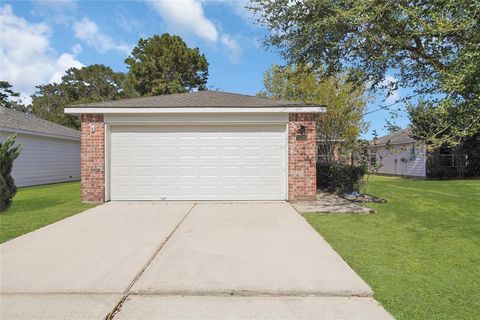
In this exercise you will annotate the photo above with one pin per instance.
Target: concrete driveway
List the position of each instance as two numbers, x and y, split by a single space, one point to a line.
183 261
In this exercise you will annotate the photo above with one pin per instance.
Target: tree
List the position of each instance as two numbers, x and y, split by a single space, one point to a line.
9 98
8 153
392 127
164 64
6 93
339 127
94 83
49 102
432 46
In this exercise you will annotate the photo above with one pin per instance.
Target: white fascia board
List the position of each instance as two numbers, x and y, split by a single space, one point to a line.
193 110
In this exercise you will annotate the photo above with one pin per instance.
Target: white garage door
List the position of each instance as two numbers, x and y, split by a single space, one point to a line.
244 162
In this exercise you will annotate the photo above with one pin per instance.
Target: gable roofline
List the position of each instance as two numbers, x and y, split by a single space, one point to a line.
395 138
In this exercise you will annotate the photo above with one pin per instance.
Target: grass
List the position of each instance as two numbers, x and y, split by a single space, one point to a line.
35 207
420 252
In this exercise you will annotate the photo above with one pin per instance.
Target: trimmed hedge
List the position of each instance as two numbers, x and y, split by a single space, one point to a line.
340 178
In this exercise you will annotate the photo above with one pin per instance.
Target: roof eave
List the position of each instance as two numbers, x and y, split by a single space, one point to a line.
383 144
160 110
37 133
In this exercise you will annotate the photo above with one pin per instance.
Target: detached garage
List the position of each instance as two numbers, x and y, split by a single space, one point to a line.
203 145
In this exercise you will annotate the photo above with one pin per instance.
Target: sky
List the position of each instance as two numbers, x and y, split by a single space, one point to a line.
41 39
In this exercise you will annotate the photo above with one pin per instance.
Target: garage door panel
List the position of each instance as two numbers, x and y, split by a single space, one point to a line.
208 172
198 162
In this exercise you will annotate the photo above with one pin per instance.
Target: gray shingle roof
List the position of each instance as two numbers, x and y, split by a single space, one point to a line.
208 99
16 120
401 136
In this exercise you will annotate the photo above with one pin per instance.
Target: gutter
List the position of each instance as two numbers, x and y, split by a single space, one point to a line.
172 110
392 143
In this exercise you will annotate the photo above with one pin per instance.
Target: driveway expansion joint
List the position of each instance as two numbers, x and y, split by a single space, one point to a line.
126 293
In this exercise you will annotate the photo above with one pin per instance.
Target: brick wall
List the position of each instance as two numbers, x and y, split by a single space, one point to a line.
302 157
93 158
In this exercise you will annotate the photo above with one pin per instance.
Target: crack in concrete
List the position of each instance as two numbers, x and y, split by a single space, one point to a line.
126 293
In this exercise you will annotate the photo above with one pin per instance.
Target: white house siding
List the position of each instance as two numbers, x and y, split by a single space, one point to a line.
413 164
45 160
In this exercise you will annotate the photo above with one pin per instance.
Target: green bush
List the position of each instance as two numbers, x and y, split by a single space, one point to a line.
8 154
340 178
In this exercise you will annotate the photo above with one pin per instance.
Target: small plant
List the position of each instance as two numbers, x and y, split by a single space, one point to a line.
364 159
8 153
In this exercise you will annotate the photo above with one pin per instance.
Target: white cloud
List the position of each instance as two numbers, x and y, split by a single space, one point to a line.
232 46
187 16
88 31
26 56
128 24
77 48
239 8
54 11
64 62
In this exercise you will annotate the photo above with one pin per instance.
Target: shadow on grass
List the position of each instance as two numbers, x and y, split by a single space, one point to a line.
31 204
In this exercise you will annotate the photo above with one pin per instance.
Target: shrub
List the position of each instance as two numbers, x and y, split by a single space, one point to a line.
8 154
340 178
435 169
322 175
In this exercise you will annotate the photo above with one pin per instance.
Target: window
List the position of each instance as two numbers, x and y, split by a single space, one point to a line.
413 153
373 158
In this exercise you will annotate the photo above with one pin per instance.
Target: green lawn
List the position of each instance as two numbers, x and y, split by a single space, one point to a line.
35 207
420 252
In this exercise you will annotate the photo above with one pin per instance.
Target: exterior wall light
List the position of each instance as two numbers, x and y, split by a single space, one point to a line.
301 133
301 130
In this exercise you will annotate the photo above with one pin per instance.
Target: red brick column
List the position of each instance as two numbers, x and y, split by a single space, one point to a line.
93 158
302 156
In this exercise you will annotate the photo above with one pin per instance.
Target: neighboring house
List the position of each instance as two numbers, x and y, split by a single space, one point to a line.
51 152
398 154
204 145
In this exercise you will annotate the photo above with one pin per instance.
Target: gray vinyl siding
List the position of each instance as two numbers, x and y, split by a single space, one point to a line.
45 160
413 166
